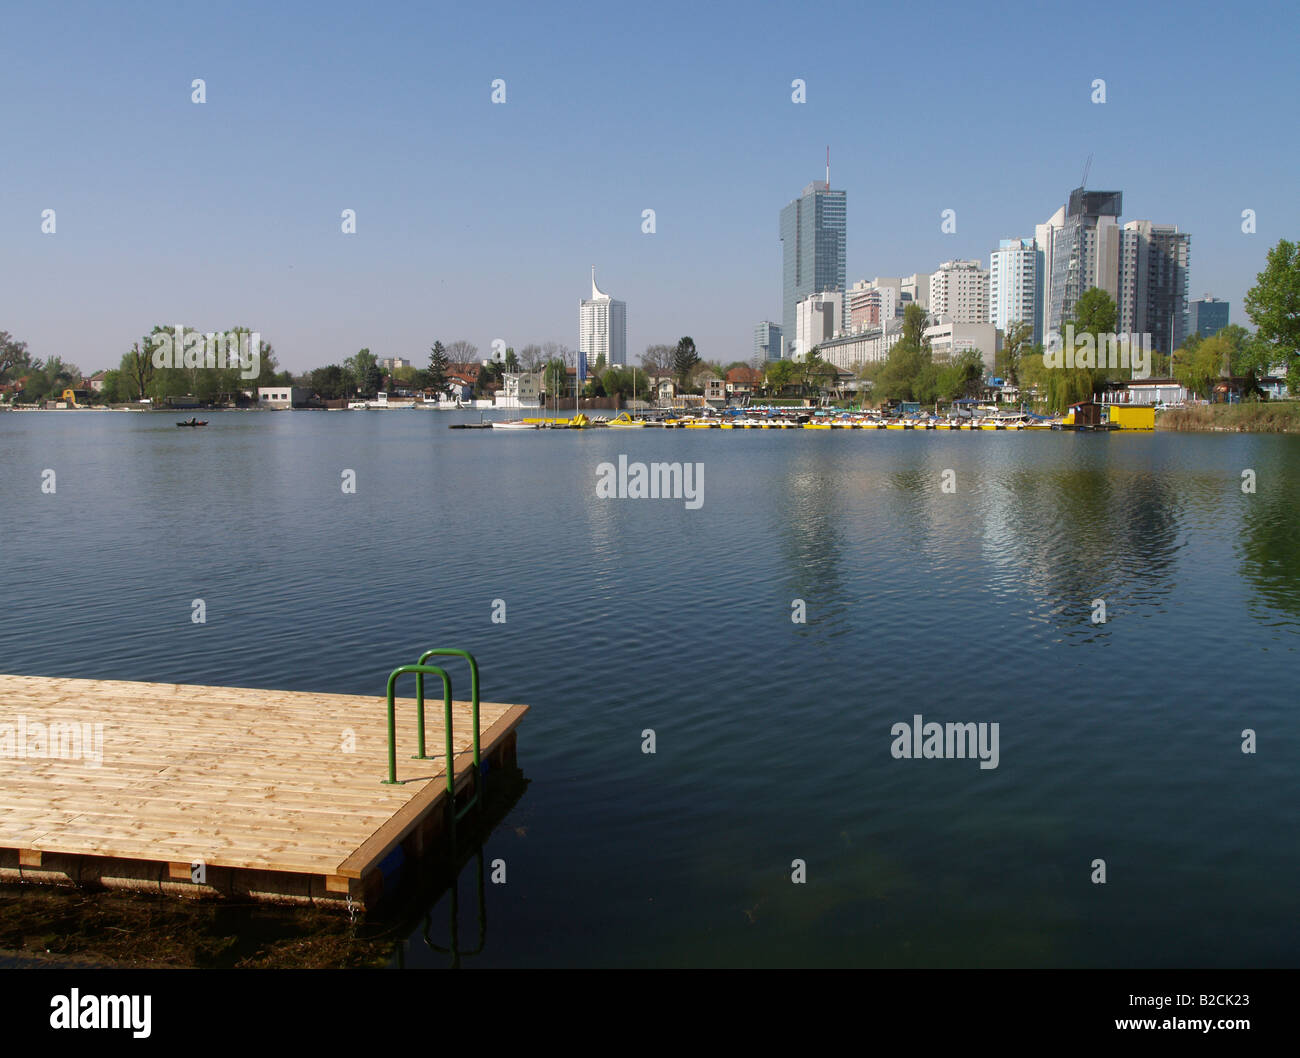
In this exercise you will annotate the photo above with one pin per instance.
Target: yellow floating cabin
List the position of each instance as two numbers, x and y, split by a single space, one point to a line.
1093 415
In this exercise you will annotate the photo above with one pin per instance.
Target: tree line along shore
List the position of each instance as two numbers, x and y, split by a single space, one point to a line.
1231 364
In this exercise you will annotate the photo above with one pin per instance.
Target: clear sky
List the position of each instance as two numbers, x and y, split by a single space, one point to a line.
478 220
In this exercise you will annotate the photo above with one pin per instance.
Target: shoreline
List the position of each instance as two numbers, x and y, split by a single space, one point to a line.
1274 417
1255 417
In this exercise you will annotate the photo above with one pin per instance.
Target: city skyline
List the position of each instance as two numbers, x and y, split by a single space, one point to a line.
228 212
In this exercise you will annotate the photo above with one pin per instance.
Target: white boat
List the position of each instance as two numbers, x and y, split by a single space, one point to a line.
514 424
358 405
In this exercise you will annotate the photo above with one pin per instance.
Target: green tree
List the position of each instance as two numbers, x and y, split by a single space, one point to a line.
626 382
1273 305
512 360
489 378
51 377
112 387
685 359
817 374
328 382
781 374
1095 312
435 375
915 319
810 364
961 377
1250 357
138 368
909 372
363 366
1015 345
555 377
13 356
1182 353
926 387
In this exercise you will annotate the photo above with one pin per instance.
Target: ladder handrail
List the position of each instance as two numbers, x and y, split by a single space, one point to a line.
420 671
473 683
454 949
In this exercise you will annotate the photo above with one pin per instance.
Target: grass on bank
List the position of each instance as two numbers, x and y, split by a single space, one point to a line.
1273 416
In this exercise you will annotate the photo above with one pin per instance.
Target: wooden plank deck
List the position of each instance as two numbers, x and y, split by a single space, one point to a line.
277 793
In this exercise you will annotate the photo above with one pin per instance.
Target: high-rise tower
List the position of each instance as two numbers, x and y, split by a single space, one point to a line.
1081 249
813 229
602 330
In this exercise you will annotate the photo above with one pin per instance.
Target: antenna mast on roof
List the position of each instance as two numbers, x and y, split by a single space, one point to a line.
828 167
1086 167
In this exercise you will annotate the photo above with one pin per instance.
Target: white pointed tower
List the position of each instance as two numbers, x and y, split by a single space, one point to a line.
602 330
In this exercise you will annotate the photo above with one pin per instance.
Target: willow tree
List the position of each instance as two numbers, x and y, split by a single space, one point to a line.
1095 314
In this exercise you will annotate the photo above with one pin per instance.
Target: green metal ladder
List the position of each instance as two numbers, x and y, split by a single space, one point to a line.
420 670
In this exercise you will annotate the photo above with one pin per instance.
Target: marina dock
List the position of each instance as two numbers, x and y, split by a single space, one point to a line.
278 796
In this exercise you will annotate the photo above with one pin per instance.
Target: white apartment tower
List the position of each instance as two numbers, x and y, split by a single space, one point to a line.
602 330
959 292
818 317
1014 285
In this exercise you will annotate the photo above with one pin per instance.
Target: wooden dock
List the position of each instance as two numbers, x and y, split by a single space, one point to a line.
225 791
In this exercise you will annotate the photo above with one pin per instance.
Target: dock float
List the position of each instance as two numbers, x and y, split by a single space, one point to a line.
277 796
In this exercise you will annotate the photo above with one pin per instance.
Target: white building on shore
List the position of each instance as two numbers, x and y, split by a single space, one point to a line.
282 397
520 390
865 347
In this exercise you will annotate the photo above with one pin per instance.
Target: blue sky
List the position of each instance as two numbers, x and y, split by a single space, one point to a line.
482 221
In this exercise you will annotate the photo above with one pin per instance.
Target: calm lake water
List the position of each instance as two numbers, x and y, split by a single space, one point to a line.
1118 741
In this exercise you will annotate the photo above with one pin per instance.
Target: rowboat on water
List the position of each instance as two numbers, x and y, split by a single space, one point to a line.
194 422
514 424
